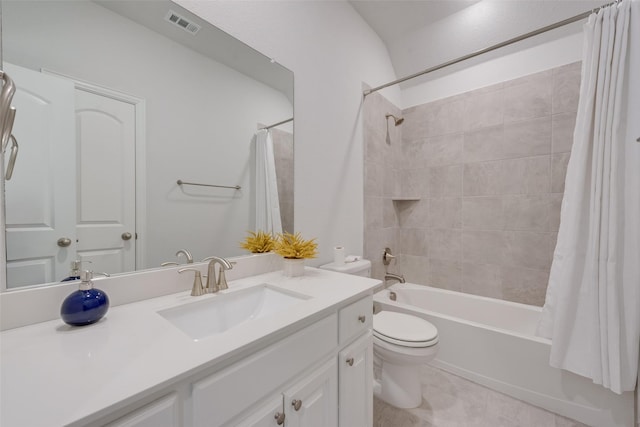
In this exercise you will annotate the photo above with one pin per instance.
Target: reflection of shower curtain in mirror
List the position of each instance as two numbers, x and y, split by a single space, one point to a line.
267 202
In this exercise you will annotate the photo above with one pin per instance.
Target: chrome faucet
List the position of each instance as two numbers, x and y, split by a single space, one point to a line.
214 285
186 254
391 276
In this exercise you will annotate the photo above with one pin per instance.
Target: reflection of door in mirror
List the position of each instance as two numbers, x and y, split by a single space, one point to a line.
102 195
106 182
43 185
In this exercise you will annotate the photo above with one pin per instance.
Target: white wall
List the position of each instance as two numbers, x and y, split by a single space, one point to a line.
554 53
201 116
332 52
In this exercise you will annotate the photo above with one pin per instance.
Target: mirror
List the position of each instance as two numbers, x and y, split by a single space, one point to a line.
120 100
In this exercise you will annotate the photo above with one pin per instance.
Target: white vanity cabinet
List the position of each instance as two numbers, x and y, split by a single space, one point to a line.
163 412
319 376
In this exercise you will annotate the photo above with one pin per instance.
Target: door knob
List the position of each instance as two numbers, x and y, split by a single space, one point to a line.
63 242
297 404
126 236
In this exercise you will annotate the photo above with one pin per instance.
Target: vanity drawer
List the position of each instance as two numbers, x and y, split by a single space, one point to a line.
355 319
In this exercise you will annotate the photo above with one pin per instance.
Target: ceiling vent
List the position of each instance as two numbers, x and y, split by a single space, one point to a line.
182 22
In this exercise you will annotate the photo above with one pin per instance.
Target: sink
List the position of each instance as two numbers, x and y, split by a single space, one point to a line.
215 315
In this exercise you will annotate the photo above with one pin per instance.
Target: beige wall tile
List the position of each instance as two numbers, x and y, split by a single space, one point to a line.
524 285
555 206
445 181
413 182
527 249
566 88
445 274
559 164
414 154
483 213
483 246
527 212
481 279
445 212
528 100
562 128
390 183
529 137
444 150
413 214
372 212
373 180
389 216
413 241
483 108
445 244
484 144
414 268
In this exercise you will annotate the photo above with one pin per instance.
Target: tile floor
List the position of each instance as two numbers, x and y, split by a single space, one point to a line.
451 401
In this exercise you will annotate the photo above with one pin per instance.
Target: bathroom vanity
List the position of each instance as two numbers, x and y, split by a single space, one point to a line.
303 357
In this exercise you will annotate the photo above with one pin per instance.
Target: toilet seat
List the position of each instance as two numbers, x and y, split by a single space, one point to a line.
404 330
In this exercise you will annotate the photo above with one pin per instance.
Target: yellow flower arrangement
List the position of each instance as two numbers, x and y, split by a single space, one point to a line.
293 246
258 243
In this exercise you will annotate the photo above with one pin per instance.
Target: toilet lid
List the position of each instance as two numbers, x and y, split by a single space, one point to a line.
404 329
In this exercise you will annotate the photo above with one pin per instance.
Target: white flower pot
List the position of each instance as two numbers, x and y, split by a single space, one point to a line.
292 267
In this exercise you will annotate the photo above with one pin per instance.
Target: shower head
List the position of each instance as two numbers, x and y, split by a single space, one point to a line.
397 120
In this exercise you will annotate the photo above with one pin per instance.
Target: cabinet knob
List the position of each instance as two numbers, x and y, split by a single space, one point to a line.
362 318
297 404
279 418
126 236
350 361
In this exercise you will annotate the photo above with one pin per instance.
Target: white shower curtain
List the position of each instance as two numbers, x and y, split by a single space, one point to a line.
267 202
592 308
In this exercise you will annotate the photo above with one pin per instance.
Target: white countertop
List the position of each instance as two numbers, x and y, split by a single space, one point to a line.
52 374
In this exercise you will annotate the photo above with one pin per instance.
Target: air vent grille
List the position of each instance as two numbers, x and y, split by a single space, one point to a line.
182 22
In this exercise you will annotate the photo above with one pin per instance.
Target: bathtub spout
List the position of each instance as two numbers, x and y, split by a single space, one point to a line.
397 277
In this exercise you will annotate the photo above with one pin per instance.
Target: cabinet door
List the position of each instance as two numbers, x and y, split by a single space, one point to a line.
356 383
313 401
271 414
163 412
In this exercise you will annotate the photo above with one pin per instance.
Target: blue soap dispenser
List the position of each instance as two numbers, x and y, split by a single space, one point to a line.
85 306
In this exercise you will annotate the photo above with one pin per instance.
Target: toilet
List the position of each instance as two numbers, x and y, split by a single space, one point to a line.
401 344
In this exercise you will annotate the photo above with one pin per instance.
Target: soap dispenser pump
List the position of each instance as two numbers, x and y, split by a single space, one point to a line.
85 306
75 271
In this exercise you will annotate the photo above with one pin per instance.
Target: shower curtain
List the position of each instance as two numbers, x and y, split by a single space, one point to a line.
267 202
592 308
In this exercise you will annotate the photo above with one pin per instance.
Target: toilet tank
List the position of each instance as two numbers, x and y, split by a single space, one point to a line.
361 267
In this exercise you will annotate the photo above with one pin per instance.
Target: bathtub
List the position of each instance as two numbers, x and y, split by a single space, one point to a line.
493 343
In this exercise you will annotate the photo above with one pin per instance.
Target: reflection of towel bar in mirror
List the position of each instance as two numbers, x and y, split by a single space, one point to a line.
181 182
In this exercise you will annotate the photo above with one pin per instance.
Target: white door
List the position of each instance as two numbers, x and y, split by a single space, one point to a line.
313 402
40 197
105 130
356 381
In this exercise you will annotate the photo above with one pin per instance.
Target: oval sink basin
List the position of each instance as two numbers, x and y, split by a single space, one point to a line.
211 316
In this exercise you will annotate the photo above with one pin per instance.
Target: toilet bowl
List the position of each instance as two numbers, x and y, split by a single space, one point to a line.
401 344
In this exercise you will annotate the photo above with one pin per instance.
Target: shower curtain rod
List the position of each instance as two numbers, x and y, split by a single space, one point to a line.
277 124
558 24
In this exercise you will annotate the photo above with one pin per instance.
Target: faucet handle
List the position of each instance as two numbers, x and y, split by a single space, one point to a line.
222 279
197 288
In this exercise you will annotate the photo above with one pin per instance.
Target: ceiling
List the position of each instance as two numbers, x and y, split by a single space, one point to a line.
392 19
420 34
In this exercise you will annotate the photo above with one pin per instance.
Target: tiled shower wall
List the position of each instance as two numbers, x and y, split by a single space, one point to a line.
283 156
487 171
